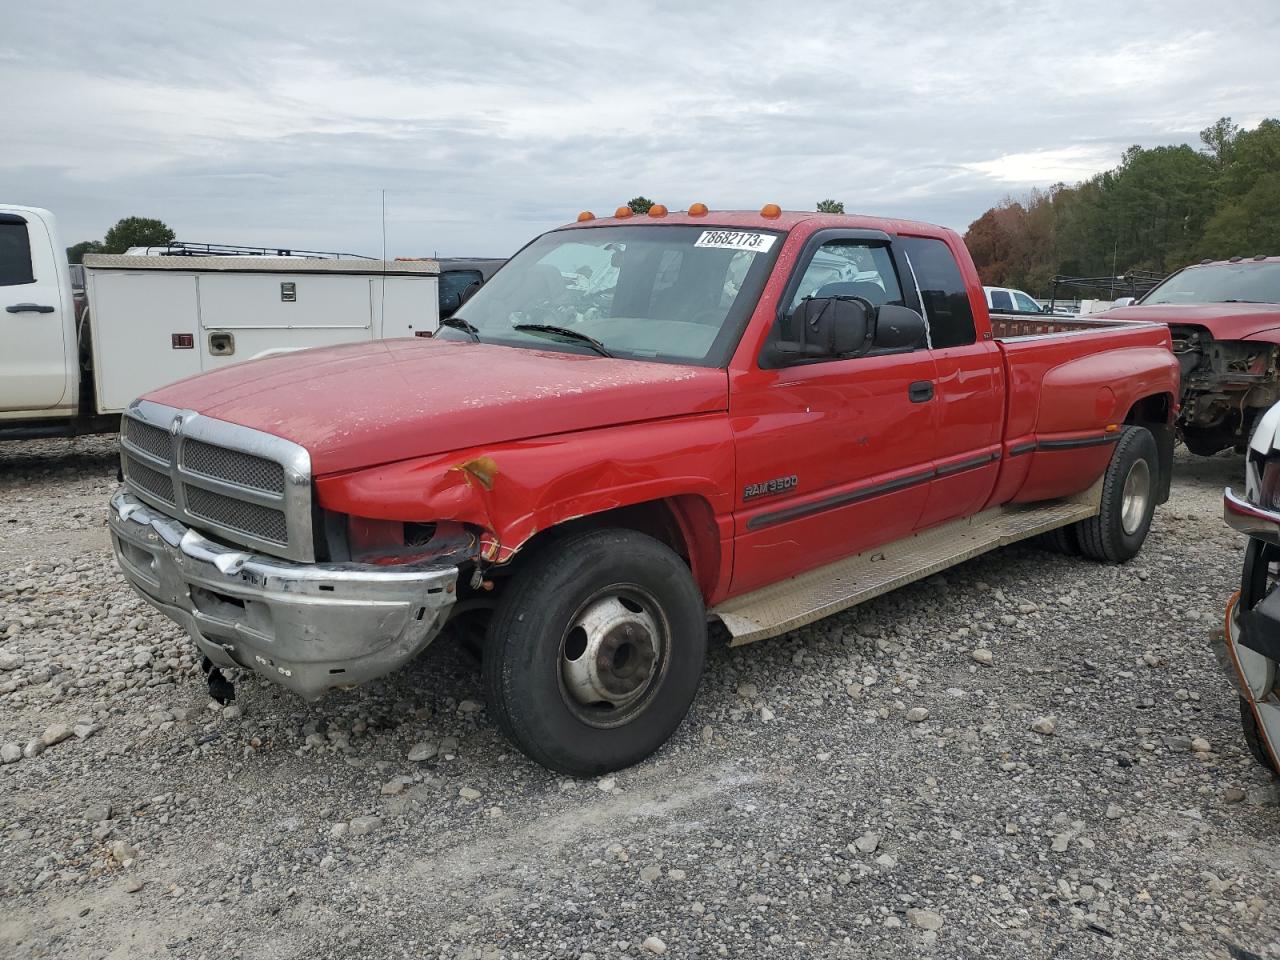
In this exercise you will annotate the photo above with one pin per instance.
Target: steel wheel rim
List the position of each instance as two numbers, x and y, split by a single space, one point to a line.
613 655
1134 498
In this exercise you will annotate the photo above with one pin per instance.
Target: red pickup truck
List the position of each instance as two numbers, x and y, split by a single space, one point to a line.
1224 317
639 425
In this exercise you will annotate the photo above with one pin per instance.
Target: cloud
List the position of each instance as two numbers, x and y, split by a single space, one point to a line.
1067 165
282 124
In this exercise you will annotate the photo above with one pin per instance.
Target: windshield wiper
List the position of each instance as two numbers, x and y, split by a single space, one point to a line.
459 324
592 342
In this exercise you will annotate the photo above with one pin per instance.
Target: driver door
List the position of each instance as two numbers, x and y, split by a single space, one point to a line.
834 455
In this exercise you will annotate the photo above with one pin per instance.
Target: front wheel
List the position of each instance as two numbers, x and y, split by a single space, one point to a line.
1128 500
595 652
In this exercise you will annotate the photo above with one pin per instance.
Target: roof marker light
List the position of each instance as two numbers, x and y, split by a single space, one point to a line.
658 210
1260 256
1237 258
586 215
623 212
771 211
697 209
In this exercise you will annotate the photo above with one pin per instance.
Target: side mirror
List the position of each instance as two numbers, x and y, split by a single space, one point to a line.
828 327
1124 302
468 292
898 328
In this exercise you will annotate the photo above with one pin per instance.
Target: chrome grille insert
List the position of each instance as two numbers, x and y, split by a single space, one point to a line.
251 487
251 518
242 469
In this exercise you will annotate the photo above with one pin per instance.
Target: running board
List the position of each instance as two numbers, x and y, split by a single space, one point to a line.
780 607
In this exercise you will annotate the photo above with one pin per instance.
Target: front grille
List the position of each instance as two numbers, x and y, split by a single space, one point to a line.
151 439
243 469
248 487
159 485
240 515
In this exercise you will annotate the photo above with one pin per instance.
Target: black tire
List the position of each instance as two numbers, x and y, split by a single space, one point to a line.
1105 536
1253 736
528 654
1060 540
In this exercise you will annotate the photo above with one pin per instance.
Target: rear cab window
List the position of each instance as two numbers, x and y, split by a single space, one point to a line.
15 252
943 293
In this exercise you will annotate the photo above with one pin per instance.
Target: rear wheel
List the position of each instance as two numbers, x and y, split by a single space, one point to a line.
595 652
1128 500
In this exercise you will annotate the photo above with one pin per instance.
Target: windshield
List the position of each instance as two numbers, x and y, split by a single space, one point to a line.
1221 283
673 293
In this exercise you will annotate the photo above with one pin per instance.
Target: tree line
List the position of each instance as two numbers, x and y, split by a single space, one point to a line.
128 232
1160 209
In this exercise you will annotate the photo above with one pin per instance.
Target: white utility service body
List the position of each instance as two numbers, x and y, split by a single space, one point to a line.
160 319
153 320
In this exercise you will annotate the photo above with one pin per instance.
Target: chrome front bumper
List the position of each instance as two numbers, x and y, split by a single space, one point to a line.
308 626
1249 518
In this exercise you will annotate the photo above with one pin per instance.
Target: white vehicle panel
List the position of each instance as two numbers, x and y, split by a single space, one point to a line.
135 318
157 320
38 371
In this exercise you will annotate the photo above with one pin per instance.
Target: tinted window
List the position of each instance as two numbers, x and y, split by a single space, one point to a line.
1025 303
452 284
1000 300
1243 282
15 255
946 299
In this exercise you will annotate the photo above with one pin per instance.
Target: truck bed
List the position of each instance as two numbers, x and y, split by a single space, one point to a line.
1005 326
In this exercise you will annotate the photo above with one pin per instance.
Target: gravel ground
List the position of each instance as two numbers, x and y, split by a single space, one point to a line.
876 785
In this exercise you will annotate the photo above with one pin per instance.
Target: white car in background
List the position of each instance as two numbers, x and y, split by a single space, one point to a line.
1009 300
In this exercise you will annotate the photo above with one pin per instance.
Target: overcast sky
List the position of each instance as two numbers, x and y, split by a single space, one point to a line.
489 122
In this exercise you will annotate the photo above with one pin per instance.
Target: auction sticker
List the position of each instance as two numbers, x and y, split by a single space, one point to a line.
736 240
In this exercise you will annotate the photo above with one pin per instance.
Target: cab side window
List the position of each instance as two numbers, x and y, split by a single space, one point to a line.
1025 303
850 268
942 290
1000 300
15 253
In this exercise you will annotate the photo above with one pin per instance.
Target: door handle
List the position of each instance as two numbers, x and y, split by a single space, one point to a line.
921 391
28 308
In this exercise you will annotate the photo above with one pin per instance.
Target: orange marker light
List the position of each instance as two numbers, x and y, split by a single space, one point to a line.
622 213
586 215
697 209
771 211
657 210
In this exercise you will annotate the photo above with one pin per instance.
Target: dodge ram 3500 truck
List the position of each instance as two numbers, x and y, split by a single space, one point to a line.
640 424
1224 317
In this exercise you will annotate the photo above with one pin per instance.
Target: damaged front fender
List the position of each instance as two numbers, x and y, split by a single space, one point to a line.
514 490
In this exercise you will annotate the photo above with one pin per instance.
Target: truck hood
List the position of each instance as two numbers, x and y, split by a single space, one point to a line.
365 404
1224 321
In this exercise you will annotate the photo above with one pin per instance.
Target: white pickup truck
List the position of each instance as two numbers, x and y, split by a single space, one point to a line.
153 320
